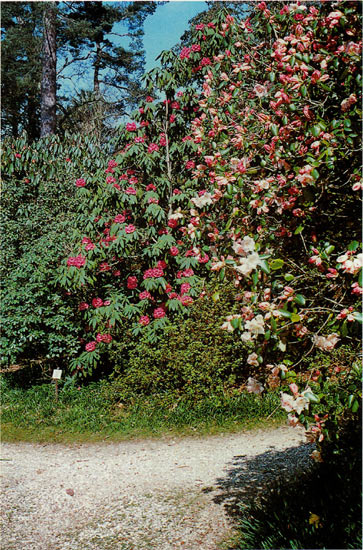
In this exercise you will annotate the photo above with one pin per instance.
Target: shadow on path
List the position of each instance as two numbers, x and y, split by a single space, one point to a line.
247 478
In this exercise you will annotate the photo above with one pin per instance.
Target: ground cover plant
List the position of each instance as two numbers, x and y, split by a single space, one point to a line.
234 192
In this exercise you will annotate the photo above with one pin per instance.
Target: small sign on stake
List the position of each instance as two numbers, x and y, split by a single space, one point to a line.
57 375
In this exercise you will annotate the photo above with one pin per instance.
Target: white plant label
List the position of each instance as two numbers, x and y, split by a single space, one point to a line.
57 374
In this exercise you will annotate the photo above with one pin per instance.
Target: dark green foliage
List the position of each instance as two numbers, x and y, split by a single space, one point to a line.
331 491
20 67
193 357
38 219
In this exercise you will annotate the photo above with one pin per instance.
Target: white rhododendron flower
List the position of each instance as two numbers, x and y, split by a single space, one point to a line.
256 326
205 199
176 215
351 264
290 403
253 386
248 264
227 324
245 246
326 343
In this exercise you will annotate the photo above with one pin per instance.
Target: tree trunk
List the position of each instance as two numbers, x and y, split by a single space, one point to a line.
49 72
32 120
96 74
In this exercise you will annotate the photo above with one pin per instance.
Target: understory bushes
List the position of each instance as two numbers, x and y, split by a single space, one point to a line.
193 357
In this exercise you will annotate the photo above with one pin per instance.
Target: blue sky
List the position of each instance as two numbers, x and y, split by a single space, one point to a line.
165 27
162 31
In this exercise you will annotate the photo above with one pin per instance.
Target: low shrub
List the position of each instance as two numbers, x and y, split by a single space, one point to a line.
193 357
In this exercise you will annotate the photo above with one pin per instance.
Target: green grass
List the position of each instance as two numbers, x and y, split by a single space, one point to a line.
93 413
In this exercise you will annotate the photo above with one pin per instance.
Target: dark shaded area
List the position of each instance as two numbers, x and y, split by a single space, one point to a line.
248 478
284 500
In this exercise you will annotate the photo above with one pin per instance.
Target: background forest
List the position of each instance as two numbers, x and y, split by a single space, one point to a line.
188 240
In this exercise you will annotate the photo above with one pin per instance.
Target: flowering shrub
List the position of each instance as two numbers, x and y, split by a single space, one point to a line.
254 178
38 216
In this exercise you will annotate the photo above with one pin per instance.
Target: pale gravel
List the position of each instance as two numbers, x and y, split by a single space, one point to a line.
164 494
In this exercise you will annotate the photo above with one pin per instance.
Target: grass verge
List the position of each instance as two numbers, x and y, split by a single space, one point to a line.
93 413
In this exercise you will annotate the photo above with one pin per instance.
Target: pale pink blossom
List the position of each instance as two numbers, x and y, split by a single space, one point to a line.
252 359
326 343
253 386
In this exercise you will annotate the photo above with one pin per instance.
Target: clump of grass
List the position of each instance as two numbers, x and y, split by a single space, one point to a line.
93 412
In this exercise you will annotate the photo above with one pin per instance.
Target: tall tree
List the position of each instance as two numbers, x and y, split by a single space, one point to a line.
107 36
21 67
48 115
85 39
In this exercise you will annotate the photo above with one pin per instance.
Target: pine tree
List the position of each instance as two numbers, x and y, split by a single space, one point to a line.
85 45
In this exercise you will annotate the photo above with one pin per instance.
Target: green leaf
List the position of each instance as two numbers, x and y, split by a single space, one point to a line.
283 313
355 406
289 277
299 230
312 397
344 329
265 267
329 249
360 278
276 264
300 299
358 316
235 323
295 318
222 274
353 245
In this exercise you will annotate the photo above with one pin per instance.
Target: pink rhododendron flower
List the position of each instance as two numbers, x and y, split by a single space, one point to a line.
82 306
174 251
153 147
120 218
131 282
185 53
185 287
159 313
130 229
76 261
131 127
80 182
145 295
186 300
91 346
97 302
144 320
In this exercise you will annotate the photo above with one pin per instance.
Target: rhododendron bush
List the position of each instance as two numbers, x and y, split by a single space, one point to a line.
246 169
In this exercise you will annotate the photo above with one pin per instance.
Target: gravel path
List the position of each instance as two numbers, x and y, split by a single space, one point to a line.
152 494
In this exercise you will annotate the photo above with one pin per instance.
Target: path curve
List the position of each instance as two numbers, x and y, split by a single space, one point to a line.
164 494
